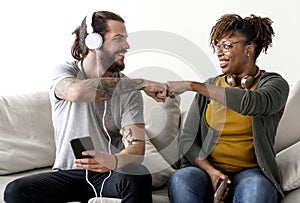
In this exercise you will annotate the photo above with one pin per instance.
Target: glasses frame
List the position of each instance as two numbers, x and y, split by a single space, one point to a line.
225 47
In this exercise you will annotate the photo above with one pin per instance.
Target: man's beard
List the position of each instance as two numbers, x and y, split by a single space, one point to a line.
109 64
116 66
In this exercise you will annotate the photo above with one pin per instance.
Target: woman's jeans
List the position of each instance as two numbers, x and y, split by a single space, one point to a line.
71 185
193 185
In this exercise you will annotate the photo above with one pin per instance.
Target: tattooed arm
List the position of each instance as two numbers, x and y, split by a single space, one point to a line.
91 90
134 141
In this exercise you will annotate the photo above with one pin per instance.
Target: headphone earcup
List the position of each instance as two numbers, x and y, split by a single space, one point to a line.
93 41
247 81
231 80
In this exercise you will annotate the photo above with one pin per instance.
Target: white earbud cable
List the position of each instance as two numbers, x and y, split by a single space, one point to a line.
109 140
109 150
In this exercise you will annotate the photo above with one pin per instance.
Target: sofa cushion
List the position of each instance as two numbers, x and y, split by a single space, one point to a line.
288 131
26 132
292 197
159 168
289 164
162 122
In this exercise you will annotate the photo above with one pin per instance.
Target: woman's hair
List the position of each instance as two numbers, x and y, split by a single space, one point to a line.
255 29
99 24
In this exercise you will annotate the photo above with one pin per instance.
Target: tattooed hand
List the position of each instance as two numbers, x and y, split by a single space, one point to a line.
156 90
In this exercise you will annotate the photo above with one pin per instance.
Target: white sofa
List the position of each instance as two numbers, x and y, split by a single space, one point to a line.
27 141
27 145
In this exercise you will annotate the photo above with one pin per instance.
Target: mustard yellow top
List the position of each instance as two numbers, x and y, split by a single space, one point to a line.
234 150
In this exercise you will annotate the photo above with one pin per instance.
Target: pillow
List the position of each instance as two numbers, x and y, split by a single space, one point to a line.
26 132
162 122
289 164
288 131
159 168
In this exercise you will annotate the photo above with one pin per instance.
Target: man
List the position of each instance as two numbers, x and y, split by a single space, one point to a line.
91 97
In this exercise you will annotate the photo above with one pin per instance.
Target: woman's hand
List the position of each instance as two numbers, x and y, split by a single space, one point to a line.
217 177
214 174
178 87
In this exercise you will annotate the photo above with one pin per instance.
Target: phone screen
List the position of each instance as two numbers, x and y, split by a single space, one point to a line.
82 144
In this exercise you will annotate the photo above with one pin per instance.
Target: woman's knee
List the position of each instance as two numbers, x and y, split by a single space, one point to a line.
189 184
255 187
189 174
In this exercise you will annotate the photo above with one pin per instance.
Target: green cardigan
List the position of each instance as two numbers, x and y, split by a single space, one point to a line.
265 104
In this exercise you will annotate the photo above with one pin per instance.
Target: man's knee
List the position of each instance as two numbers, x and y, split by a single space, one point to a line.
135 173
134 169
13 192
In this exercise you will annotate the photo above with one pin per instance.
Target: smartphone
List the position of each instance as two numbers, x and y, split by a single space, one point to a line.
82 144
220 191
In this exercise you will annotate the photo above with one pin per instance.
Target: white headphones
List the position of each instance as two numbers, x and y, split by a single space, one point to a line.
93 40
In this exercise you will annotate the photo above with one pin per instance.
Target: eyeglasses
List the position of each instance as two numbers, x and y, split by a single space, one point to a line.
226 46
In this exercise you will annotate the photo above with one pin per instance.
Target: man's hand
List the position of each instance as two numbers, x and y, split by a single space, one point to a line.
156 90
178 87
102 162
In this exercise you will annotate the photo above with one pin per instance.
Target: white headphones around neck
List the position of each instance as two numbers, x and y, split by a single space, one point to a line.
93 40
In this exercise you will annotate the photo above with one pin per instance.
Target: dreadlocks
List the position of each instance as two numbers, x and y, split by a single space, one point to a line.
255 29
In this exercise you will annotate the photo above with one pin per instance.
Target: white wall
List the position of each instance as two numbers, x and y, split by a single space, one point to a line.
36 35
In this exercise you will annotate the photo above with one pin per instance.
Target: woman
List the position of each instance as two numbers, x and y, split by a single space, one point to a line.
231 125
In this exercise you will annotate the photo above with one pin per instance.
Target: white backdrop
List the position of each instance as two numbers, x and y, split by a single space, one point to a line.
36 35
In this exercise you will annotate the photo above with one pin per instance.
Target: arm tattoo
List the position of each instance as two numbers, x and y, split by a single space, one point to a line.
131 84
62 89
109 86
129 138
106 87
102 88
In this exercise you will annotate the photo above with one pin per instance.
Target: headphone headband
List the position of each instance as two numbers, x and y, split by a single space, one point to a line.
93 40
257 74
88 21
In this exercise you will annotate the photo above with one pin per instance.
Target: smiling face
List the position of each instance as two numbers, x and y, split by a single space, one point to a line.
112 52
233 53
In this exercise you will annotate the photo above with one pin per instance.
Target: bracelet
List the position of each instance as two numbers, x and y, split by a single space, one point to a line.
116 158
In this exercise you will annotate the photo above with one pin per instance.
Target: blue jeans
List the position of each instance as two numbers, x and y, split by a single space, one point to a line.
193 185
71 185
